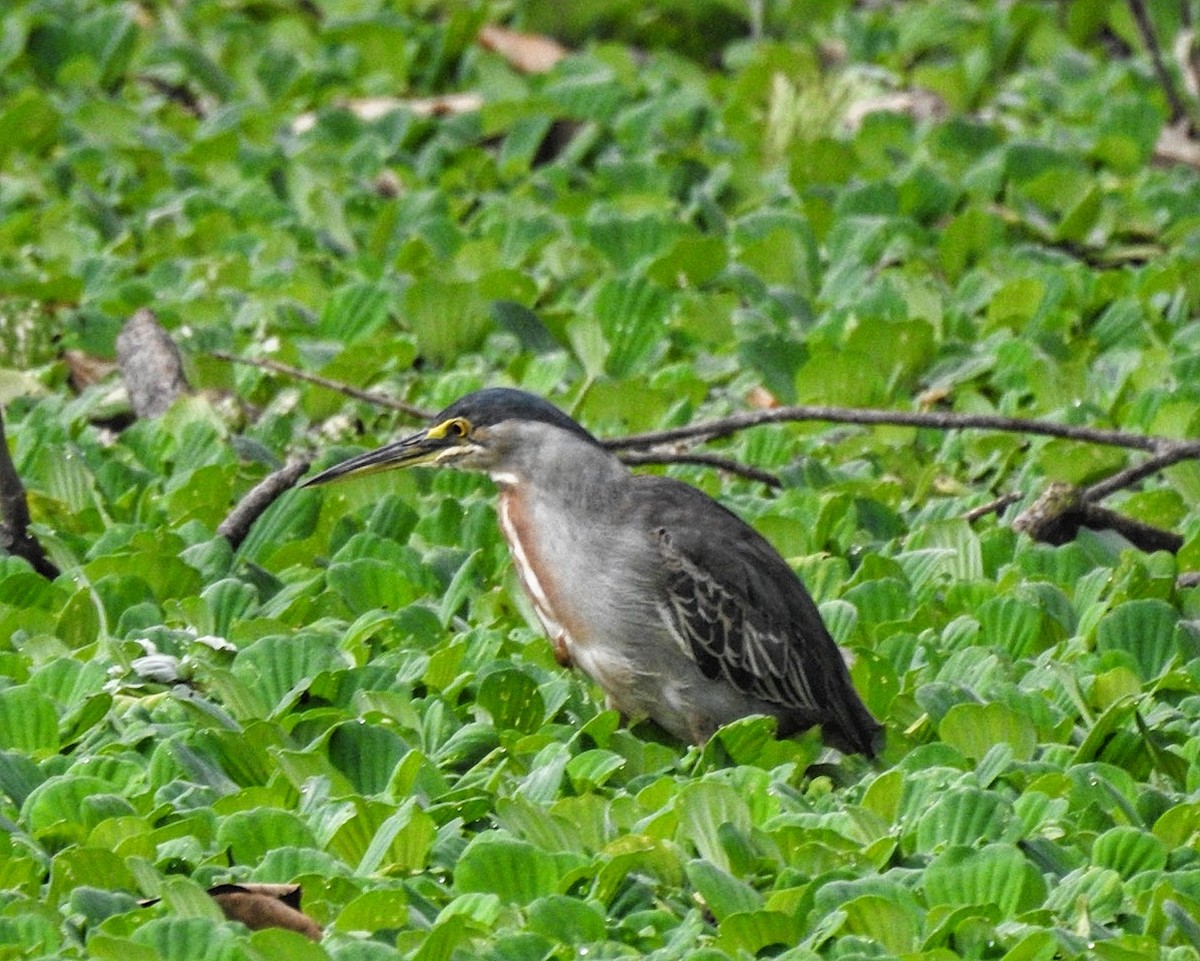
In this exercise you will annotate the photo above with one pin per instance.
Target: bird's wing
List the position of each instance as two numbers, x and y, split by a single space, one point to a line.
736 608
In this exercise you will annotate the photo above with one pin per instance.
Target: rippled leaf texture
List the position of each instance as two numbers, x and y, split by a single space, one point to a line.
996 874
515 871
1145 630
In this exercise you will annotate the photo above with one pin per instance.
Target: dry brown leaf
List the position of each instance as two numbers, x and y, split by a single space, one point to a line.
932 397
259 906
83 370
527 52
761 398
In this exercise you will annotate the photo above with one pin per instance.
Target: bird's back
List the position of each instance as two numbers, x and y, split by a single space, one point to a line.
672 603
762 633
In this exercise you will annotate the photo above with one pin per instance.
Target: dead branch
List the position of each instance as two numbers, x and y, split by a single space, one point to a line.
238 522
1169 452
150 364
991 507
15 538
1056 516
370 396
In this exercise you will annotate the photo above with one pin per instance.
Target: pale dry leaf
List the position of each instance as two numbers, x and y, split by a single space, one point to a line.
1176 146
527 52
372 108
921 105
761 398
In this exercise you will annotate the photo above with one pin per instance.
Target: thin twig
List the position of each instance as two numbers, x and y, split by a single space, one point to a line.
14 516
991 507
1145 26
370 396
238 522
708 460
1171 452
178 93
724 426
1164 451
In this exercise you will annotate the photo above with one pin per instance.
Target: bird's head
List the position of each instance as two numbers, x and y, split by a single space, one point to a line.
477 432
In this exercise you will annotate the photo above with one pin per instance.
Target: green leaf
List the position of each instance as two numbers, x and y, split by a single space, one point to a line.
1098 891
1145 630
460 586
1012 625
567 920
28 121
893 925
70 805
1178 823
703 808
186 939
1129 850
447 317
19 775
994 874
279 667
228 600
632 317
628 241
250 835
961 816
592 769
354 312
402 842
751 931
723 893
27 721
367 754
958 537
187 899
369 584
517 872
513 700
973 729
690 261
381 909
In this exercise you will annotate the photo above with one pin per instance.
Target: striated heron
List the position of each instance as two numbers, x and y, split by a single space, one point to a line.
677 608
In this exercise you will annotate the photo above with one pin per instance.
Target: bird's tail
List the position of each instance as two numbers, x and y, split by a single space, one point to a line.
864 735
852 729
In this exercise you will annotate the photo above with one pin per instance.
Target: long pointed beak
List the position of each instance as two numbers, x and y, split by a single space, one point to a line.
420 448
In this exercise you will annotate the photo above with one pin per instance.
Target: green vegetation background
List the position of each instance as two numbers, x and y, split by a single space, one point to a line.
351 700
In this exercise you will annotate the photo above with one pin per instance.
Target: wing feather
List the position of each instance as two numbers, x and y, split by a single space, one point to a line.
739 612
727 638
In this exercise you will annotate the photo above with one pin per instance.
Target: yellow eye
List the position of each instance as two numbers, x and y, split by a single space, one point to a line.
457 427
